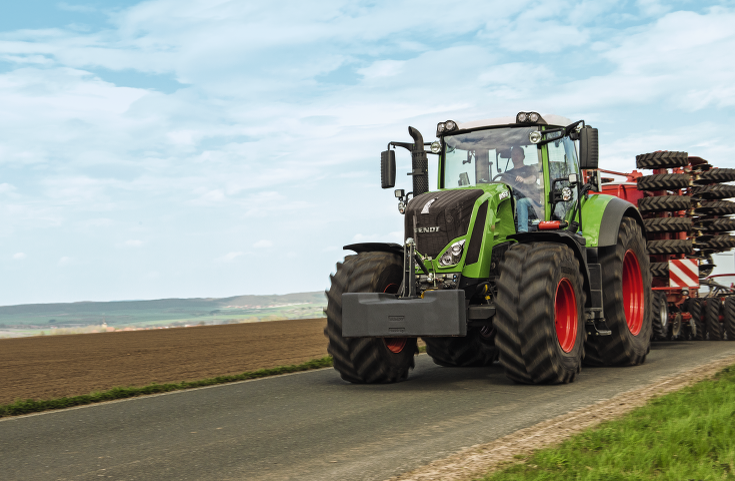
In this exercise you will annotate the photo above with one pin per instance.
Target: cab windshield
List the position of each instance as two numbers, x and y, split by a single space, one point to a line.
498 155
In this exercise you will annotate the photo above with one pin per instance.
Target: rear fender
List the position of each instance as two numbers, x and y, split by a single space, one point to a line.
601 218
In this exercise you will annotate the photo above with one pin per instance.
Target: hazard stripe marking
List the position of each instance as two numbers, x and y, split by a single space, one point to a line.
683 273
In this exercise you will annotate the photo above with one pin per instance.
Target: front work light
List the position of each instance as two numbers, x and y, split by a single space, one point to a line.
436 147
450 124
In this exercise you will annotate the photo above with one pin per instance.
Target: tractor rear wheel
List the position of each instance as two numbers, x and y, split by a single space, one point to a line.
548 327
660 316
476 350
695 309
730 318
367 360
664 182
661 160
665 203
712 319
626 275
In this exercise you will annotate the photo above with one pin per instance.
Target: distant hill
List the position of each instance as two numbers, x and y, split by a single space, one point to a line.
164 311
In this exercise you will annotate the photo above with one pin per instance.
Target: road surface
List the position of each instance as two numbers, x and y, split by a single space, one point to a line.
309 426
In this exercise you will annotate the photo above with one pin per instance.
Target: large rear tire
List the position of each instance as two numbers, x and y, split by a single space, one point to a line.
627 299
477 349
712 319
367 360
547 322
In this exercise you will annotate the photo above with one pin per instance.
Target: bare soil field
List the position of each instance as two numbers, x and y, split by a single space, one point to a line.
68 365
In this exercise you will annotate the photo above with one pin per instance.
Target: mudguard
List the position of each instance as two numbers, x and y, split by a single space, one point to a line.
390 247
601 218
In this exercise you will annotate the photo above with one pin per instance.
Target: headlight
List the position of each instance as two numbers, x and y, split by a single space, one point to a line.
436 147
453 255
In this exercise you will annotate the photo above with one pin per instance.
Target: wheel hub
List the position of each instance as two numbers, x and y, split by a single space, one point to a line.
633 294
565 315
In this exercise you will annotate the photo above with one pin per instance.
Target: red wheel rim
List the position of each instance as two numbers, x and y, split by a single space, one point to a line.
633 295
394 344
565 315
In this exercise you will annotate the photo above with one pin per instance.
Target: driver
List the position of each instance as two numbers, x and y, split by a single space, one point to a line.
522 178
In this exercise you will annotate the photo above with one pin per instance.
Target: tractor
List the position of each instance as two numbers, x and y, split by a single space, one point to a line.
516 257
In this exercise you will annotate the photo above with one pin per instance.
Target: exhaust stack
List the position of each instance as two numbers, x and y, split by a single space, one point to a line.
419 163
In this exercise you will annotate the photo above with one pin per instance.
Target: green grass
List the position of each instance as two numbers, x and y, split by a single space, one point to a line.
32 406
686 435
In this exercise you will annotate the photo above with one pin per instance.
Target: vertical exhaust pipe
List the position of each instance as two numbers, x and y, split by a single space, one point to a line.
419 163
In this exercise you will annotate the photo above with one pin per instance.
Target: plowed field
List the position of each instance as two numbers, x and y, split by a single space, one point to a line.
55 366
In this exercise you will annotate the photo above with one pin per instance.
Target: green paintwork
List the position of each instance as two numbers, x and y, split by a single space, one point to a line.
592 210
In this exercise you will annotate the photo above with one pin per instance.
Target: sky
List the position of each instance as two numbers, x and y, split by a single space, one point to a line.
188 148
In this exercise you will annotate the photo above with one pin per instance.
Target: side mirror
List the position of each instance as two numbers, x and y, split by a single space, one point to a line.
589 152
388 169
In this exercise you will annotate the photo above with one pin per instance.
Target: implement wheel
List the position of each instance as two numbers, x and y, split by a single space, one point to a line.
712 319
540 318
695 309
730 318
664 203
661 160
660 316
367 360
664 182
627 299
476 350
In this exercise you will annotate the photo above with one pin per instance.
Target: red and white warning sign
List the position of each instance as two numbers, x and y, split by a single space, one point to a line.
684 273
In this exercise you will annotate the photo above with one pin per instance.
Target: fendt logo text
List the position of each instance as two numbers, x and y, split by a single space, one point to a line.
427 230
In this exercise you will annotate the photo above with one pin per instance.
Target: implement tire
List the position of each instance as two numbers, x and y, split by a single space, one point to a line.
667 224
550 313
659 269
716 176
661 160
723 224
367 360
719 191
664 182
730 318
664 203
721 242
716 207
627 299
669 246
695 309
475 350
712 319
660 316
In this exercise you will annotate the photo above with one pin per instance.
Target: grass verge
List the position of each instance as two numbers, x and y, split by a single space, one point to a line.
685 435
32 406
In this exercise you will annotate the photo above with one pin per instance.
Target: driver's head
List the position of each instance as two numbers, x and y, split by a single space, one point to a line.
517 156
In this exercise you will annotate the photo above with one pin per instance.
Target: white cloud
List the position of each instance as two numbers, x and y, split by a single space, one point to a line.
263 244
229 257
19 256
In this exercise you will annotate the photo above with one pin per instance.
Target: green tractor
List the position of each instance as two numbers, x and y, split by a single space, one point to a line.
514 257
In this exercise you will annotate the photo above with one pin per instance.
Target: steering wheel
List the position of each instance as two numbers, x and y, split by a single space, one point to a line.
498 176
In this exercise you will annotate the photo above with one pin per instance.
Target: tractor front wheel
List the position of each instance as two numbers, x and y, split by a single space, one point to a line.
626 299
367 360
540 316
477 349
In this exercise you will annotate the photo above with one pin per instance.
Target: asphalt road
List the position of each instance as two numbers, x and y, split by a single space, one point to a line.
309 426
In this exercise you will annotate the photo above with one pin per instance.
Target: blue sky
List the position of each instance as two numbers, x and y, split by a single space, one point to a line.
212 148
